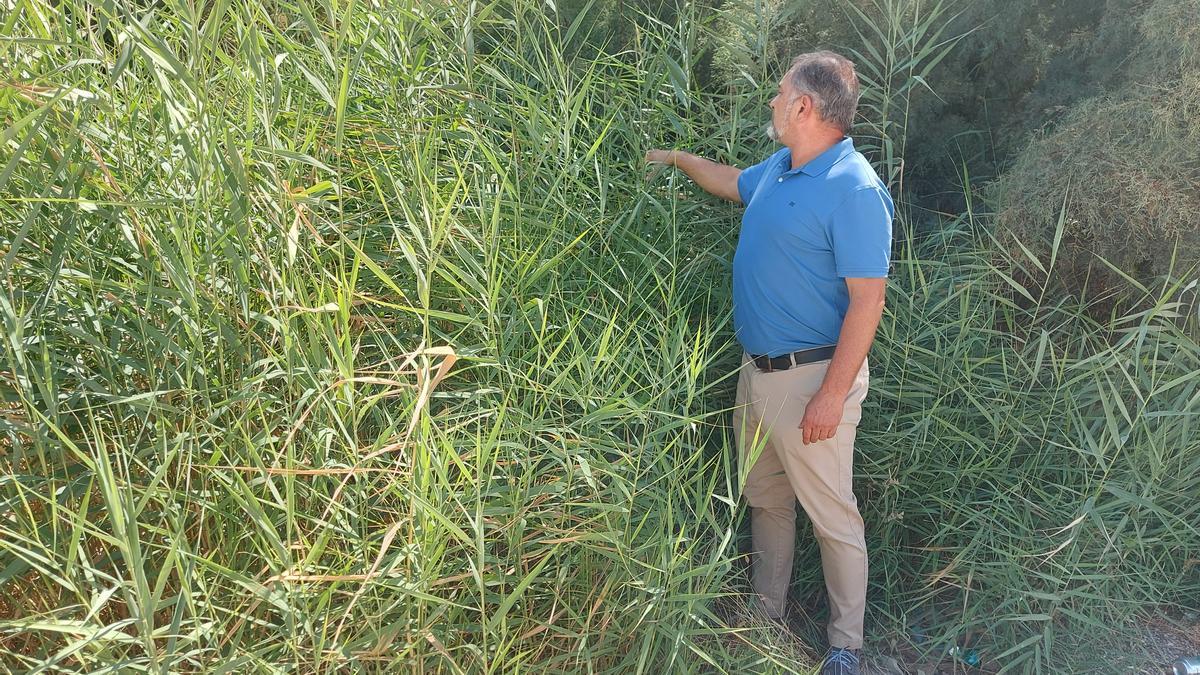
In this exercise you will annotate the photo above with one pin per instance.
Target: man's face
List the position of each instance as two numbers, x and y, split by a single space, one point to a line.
784 123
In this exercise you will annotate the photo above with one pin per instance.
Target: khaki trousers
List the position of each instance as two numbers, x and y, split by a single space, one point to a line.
770 406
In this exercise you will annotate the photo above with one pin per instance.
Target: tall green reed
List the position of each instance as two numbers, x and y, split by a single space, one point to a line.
350 335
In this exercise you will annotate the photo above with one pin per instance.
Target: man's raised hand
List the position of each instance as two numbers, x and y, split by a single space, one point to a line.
658 161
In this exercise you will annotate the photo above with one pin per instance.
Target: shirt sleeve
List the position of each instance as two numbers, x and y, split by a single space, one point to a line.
749 178
861 232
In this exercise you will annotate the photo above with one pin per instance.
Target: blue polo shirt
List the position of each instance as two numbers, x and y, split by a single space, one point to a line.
803 230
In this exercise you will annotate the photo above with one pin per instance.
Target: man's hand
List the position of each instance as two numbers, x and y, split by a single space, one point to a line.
659 160
822 416
661 157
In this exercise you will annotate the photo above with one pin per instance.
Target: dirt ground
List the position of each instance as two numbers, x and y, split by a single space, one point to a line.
1148 647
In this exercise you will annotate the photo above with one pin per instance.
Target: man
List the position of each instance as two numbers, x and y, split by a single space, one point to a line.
808 285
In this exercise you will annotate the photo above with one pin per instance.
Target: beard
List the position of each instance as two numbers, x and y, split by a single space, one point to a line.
771 132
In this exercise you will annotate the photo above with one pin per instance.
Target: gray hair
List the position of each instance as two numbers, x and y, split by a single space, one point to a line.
830 80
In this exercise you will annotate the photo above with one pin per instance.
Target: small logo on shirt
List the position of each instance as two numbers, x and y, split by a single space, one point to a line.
791 203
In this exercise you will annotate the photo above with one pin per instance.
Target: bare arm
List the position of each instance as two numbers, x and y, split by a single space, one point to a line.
824 411
858 332
717 179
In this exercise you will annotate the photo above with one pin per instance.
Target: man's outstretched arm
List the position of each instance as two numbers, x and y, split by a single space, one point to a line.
718 179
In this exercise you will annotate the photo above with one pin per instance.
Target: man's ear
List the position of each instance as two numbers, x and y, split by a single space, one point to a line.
803 105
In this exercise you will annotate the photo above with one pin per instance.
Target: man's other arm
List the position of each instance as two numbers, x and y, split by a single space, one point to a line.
824 411
717 179
858 332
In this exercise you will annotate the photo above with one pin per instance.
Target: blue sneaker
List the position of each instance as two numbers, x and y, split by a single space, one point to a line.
841 661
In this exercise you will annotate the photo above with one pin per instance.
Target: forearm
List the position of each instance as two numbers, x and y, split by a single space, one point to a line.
714 178
858 333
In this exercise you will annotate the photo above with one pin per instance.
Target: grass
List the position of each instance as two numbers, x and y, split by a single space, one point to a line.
351 337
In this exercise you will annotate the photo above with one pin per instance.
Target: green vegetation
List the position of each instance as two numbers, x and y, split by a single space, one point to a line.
352 337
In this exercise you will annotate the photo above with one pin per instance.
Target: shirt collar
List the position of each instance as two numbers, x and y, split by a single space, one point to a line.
822 162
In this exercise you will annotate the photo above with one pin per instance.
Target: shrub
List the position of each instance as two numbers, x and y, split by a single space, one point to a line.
1122 169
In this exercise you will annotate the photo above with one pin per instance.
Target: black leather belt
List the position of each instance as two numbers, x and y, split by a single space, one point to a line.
785 361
